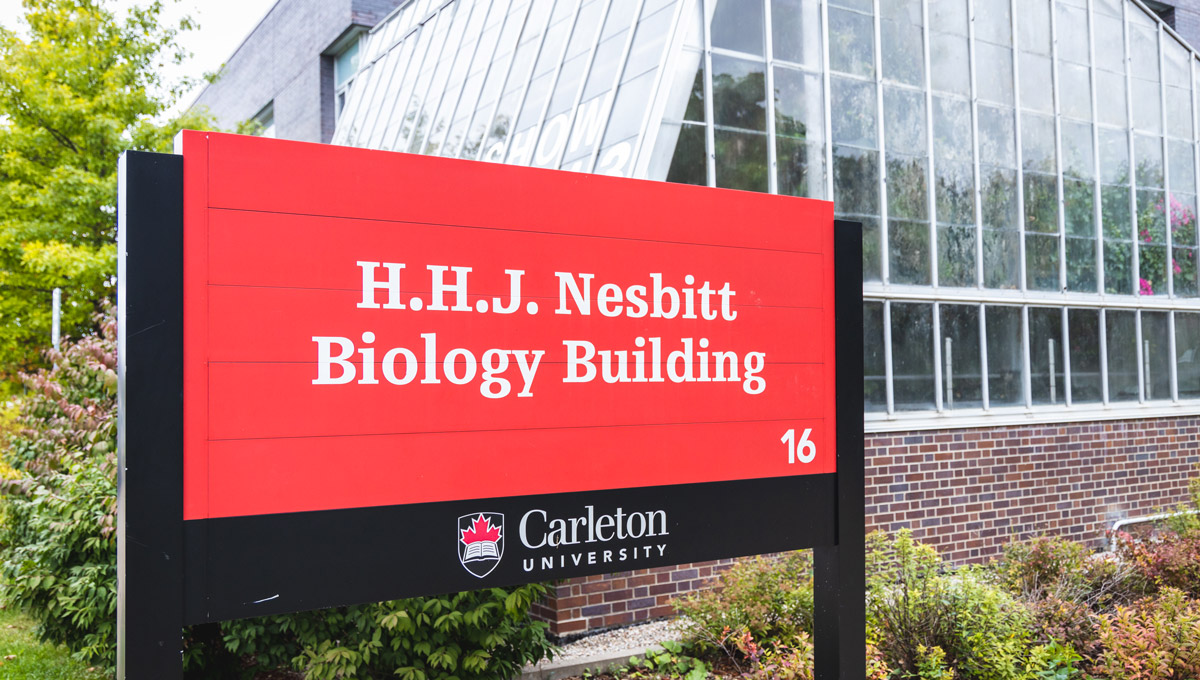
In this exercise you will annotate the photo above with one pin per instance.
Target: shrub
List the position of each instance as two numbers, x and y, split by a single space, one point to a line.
914 607
1057 568
771 599
476 635
59 529
1168 560
59 563
1157 638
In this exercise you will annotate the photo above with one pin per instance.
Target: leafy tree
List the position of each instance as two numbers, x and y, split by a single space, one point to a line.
78 86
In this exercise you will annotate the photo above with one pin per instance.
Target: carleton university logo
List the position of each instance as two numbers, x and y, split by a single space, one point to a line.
481 542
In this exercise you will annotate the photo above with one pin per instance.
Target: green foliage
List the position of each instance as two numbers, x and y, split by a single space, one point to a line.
60 564
931 664
1053 661
1167 560
478 635
77 88
914 605
1158 638
769 598
670 661
1050 567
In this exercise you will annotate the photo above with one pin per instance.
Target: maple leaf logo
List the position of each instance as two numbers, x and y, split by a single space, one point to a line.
481 530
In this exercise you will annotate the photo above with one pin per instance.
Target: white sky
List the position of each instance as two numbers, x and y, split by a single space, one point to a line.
223 25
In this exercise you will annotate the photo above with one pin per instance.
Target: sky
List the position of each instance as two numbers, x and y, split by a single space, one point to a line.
223 25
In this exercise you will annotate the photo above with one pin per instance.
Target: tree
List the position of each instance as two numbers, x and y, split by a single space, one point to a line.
77 88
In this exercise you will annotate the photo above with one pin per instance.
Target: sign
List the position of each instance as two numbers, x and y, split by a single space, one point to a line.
456 375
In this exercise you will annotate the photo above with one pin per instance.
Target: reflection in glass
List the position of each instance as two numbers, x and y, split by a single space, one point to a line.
1083 326
1187 354
739 93
1005 363
1046 356
738 25
961 378
874 380
851 43
1156 356
912 355
1120 332
741 160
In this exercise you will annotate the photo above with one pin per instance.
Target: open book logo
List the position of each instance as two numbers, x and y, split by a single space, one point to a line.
480 542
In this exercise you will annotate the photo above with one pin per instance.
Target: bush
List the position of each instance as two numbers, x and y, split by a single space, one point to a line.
770 599
914 607
59 563
59 531
1168 560
1158 638
1056 568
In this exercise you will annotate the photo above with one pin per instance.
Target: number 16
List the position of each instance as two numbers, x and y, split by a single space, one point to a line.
808 450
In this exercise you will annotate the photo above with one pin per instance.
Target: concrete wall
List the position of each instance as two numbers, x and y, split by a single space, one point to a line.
282 61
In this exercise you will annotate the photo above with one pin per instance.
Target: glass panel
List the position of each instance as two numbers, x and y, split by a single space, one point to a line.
993 21
1045 356
851 43
1156 355
948 16
1005 362
900 36
1035 76
874 379
855 181
1072 33
912 355
904 120
956 256
1074 91
796 31
799 124
907 188
687 162
908 252
994 73
950 64
1083 325
738 25
1110 42
741 159
1034 26
1111 108
1041 261
739 93
855 103
1187 354
801 167
961 377
1120 329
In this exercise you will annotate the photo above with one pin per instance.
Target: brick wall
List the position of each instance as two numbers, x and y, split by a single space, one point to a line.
965 491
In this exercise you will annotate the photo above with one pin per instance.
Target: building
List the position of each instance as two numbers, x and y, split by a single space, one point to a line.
1026 172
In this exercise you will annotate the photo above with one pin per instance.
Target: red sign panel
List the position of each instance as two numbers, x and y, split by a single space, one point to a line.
366 328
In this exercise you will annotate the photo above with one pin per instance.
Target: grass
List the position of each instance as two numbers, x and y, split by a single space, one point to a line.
22 656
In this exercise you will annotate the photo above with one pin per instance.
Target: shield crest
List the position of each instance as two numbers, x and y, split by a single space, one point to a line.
480 542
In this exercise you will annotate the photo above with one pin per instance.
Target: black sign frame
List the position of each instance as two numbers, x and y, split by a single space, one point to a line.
169 576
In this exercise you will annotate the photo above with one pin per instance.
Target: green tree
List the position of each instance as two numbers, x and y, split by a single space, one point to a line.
78 86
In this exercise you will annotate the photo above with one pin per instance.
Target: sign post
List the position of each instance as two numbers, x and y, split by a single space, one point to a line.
460 375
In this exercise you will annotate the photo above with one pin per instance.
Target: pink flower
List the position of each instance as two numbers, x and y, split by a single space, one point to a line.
1176 267
1145 287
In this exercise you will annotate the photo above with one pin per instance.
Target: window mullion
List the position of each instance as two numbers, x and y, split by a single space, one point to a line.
884 245
1016 57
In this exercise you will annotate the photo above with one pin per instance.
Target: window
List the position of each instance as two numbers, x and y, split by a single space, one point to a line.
264 121
345 66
